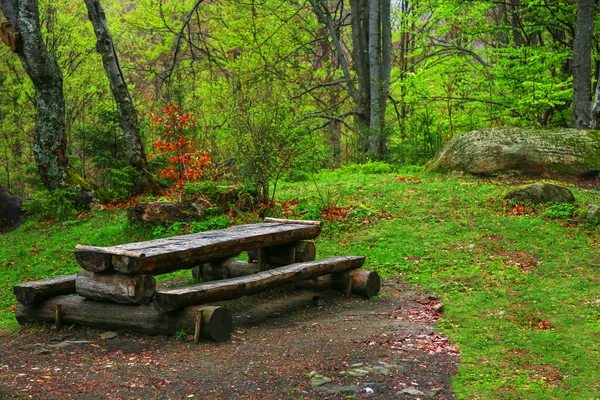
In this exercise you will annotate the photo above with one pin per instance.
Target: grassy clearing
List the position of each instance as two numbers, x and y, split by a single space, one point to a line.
521 291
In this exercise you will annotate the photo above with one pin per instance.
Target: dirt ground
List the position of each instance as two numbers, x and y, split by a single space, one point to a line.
285 345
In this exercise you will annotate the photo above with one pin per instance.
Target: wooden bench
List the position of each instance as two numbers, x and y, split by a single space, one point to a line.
117 283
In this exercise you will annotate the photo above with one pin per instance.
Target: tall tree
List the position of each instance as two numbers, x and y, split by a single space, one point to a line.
128 118
581 114
371 53
22 32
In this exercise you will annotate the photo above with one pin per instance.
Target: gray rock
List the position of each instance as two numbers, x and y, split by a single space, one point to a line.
540 193
108 335
319 380
343 389
410 391
356 365
311 374
11 214
557 152
593 214
62 345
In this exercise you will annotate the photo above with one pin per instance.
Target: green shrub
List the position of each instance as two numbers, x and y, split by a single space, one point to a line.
59 203
560 211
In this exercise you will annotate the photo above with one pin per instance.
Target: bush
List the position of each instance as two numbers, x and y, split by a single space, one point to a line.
59 203
560 211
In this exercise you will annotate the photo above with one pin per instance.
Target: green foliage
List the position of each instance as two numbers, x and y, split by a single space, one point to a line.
561 211
183 228
59 204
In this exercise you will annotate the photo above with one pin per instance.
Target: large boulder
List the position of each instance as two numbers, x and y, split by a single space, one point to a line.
163 213
552 153
11 214
540 193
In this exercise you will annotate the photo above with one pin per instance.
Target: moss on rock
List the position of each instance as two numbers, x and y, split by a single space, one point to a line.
546 152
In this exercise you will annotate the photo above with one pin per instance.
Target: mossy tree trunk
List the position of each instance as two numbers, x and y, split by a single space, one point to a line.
581 114
50 142
128 118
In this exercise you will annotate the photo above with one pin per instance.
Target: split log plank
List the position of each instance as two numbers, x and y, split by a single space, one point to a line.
364 282
28 293
278 255
187 251
228 289
216 321
115 287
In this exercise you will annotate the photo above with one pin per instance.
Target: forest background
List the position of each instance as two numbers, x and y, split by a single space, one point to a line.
268 86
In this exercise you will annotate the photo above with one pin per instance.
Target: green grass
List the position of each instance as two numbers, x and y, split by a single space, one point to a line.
501 277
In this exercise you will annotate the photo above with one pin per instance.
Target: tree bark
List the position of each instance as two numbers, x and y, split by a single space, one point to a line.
28 293
115 287
128 118
49 143
225 270
229 289
216 321
364 283
371 55
581 114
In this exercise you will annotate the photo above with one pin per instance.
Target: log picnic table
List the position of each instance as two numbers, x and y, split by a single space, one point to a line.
117 285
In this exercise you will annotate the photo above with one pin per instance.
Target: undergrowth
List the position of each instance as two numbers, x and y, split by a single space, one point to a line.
519 282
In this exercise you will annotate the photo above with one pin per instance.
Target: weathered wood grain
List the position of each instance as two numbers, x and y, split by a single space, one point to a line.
172 299
32 292
216 321
181 252
115 287
364 282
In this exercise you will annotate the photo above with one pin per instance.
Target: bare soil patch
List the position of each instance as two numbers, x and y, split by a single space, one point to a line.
283 342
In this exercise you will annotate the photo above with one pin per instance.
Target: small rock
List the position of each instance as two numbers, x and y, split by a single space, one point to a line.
501 314
439 307
598 303
356 365
108 335
319 380
37 345
410 391
367 390
540 193
343 389
311 374
44 351
67 344
429 333
593 214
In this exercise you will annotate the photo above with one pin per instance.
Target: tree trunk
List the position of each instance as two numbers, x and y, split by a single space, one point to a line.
228 289
28 293
49 143
216 321
115 287
581 114
128 118
374 133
